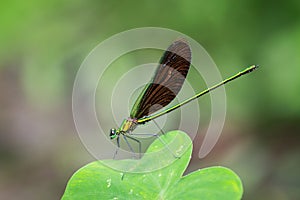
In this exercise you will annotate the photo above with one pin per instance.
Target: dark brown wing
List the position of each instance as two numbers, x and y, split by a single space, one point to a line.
167 81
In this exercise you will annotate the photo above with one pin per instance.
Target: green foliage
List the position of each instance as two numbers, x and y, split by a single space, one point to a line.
98 181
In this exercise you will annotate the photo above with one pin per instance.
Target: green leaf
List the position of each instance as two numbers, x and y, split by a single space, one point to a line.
209 183
142 179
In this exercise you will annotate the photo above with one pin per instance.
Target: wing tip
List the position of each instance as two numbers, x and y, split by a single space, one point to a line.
181 40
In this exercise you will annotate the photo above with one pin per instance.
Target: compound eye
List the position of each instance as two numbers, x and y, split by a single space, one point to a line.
112 133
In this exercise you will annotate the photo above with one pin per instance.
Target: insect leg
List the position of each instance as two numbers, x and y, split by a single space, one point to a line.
118 144
130 147
158 127
139 142
161 140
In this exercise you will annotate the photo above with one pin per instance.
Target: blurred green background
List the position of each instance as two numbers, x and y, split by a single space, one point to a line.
42 44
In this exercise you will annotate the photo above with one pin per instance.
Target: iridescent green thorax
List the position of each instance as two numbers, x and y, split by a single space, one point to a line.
127 126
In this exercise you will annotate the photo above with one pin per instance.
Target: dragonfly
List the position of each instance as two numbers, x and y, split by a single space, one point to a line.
165 85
